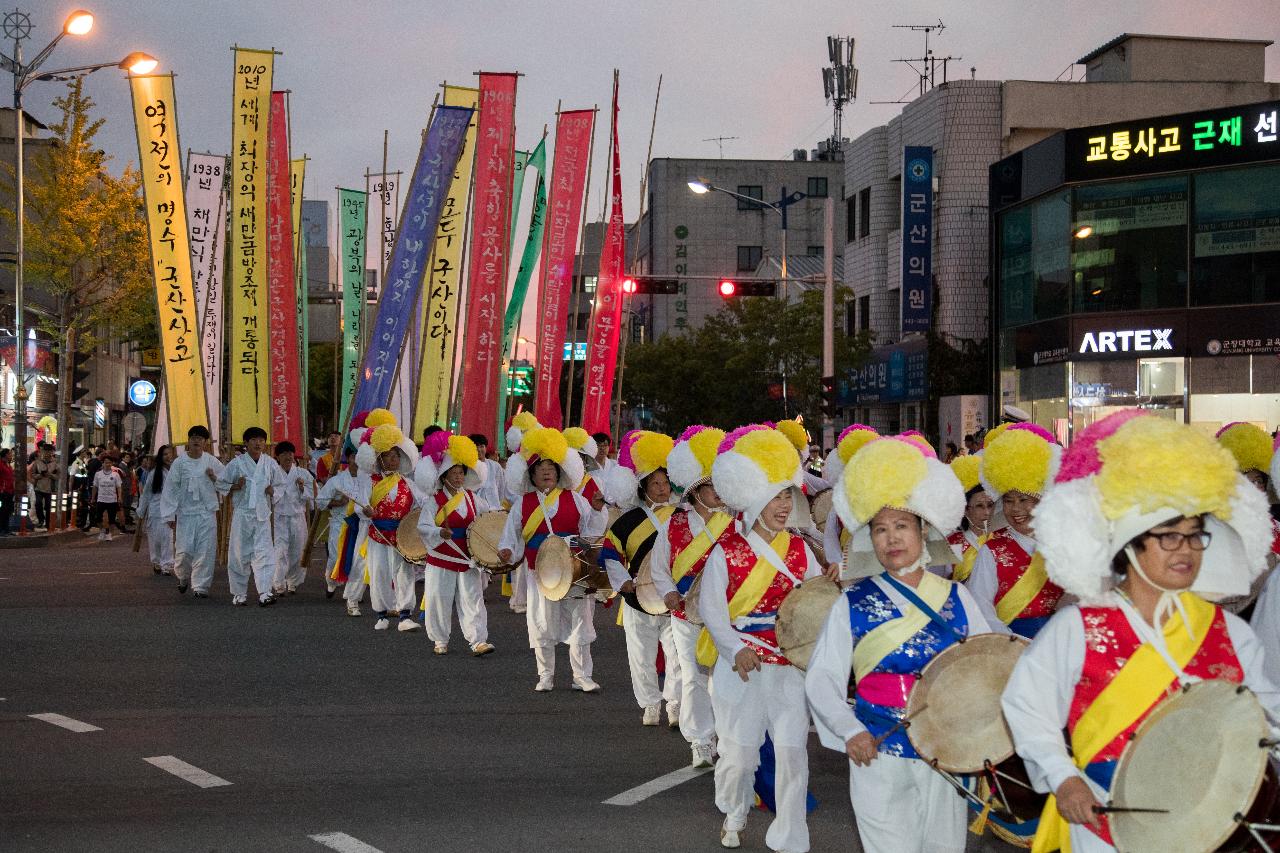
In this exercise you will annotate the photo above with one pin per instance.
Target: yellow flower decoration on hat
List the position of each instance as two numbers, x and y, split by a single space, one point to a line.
855 441
772 451
545 443
462 450
649 452
704 445
577 437
795 433
1250 446
1018 460
994 433
884 473
386 436
918 439
1152 463
524 421
967 470
379 417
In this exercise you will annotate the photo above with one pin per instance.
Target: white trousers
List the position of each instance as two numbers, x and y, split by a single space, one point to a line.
697 723
354 589
644 632
901 805
568 620
390 580
251 549
520 580
441 588
579 660
196 549
159 541
291 539
771 701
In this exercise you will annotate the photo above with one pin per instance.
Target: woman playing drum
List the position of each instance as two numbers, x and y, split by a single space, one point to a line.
979 512
898 500
1144 517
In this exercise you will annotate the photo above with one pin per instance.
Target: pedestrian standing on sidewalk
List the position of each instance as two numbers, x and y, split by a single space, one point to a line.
43 476
107 490
91 469
6 490
159 535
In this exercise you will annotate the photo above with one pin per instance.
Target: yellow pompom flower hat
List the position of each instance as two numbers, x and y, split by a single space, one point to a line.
1133 471
580 440
753 465
520 425
1022 458
441 451
1249 445
851 440
693 454
897 472
543 443
968 470
641 452
387 436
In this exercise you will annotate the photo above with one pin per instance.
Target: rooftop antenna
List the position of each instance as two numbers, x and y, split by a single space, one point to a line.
839 82
926 66
720 140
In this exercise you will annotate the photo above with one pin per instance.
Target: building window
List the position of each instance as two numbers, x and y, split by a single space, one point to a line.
850 218
749 258
864 212
864 313
752 191
815 251
1233 260
895 193
817 188
589 283
1035 273
851 318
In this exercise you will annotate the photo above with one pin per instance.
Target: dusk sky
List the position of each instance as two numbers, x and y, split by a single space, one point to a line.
746 69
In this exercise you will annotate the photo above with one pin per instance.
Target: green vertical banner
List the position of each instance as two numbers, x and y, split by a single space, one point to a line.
528 260
517 191
352 205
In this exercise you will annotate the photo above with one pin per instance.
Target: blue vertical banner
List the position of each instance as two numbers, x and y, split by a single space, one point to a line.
917 237
430 184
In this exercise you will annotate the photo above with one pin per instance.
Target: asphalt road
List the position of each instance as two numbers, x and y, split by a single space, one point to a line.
306 722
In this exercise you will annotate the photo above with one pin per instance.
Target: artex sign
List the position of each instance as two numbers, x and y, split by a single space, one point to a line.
1127 340
1154 335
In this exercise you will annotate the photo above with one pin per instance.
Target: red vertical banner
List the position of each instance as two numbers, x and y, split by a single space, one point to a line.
602 348
284 362
559 245
490 238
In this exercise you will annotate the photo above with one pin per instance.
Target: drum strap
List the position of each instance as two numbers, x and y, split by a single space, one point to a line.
450 506
700 546
886 638
1024 591
747 596
965 567
1139 685
919 603
539 514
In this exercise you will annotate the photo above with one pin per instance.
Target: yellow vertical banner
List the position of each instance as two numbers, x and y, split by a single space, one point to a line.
297 175
246 284
155 117
440 297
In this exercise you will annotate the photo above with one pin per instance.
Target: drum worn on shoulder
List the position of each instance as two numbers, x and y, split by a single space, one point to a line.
801 616
483 536
409 539
565 563
820 505
646 592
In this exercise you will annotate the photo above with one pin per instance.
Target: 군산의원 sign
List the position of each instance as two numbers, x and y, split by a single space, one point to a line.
1221 137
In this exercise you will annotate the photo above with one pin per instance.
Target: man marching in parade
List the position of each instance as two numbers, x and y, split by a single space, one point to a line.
391 496
292 515
189 506
252 480
450 472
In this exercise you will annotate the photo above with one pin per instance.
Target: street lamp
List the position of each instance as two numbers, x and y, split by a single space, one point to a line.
17 27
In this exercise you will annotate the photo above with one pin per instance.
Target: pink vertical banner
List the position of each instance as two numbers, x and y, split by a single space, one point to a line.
284 365
602 348
486 296
559 245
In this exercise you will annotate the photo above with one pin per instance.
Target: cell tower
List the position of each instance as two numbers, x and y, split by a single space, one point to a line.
839 84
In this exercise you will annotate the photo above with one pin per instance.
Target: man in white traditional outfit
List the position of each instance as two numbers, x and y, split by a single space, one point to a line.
293 515
252 480
189 505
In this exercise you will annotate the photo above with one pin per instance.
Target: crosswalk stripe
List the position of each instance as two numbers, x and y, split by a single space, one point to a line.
189 772
343 843
640 793
65 722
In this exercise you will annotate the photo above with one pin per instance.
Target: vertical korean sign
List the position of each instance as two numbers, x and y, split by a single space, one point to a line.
917 238
247 319
155 118
352 207
444 282
207 213
564 212
282 286
602 348
436 163
297 179
490 222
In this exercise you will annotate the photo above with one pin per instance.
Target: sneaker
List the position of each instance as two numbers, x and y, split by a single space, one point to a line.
200 593
102 536
382 624
651 715
673 715
518 609
278 591
239 600
182 588
267 600
155 569
441 648
110 537
330 588
291 589
702 756
585 684
353 609
482 649
544 685
729 838
408 625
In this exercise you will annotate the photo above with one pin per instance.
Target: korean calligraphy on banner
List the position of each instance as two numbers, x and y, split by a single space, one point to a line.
297 178
444 281
437 160
564 212
917 238
352 207
155 118
282 286
247 318
490 222
207 214
602 353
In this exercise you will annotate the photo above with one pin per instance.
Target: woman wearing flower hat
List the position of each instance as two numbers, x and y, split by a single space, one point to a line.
639 486
979 509
518 581
1008 579
679 555
544 475
1145 517
1251 448
754 689
392 494
898 501
854 437
450 472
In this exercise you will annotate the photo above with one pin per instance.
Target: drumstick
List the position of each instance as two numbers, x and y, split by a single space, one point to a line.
904 723
1126 810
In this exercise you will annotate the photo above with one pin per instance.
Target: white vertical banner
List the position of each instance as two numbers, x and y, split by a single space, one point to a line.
206 214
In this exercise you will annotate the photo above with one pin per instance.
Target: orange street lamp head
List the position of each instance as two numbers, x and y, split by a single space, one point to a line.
139 63
78 23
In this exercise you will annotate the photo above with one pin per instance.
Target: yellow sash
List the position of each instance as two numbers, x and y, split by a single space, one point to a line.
449 506
964 568
643 531
1139 685
539 513
382 488
885 639
701 544
845 536
747 597
1024 591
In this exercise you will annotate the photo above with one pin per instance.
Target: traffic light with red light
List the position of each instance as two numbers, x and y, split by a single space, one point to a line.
728 288
650 284
828 396
628 286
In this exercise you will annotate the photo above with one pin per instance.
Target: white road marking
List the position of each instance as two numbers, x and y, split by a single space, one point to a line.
183 770
640 793
113 572
65 722
343 843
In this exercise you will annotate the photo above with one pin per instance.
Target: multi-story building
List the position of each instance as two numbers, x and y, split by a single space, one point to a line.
969 125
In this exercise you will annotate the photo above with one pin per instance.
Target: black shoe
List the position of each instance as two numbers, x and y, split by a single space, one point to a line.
268 601
155 569
182 589
199 594
328 593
